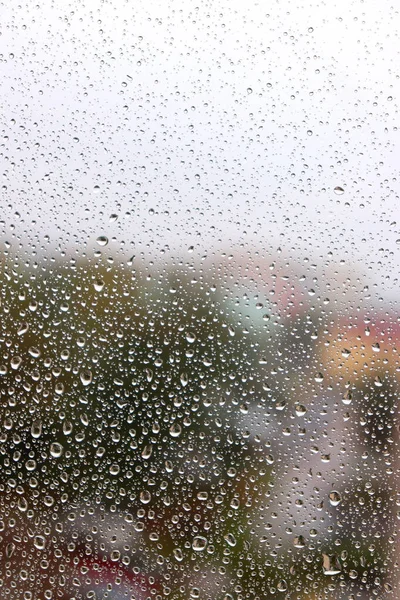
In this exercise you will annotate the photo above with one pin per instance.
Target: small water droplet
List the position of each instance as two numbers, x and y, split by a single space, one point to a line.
175 430
338 190
23 329
16 362
331 564
36 429
299 542
282 585
98 285
86 377
230 539
102 240
300 410
39 542
115 555
178 554
145 497
147 451
199 543
335 498
347 397
56 450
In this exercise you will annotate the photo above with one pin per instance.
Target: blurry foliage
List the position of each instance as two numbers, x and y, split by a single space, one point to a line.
123 393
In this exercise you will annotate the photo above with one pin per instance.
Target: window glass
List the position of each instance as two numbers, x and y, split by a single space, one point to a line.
199 331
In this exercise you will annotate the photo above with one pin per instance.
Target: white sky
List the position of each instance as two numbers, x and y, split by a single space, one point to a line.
193 123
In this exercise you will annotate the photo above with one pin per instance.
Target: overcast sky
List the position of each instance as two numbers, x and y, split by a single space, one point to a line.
204 124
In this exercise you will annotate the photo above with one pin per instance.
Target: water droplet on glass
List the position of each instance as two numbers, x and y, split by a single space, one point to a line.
36 429
338 190
98 285
86 377
147 451
175 430
300 410
299 542
347 397
39 542
335 498
145 497
282 585
199 543
331 564
16 362
102 240
203 496
178 554
56 450
230 539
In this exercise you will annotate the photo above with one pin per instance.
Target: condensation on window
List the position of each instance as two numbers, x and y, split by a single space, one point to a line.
200 331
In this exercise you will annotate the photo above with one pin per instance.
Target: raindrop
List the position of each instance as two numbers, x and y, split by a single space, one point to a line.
178 554
199 543
338 190
36 429
347 397
299 542
331 564
16 362
230 539
98 285
335 498
102 240
56 450
300 410
145 497
175 430
86 377
39 542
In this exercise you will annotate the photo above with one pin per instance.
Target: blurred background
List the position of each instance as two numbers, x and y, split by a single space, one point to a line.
199 328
